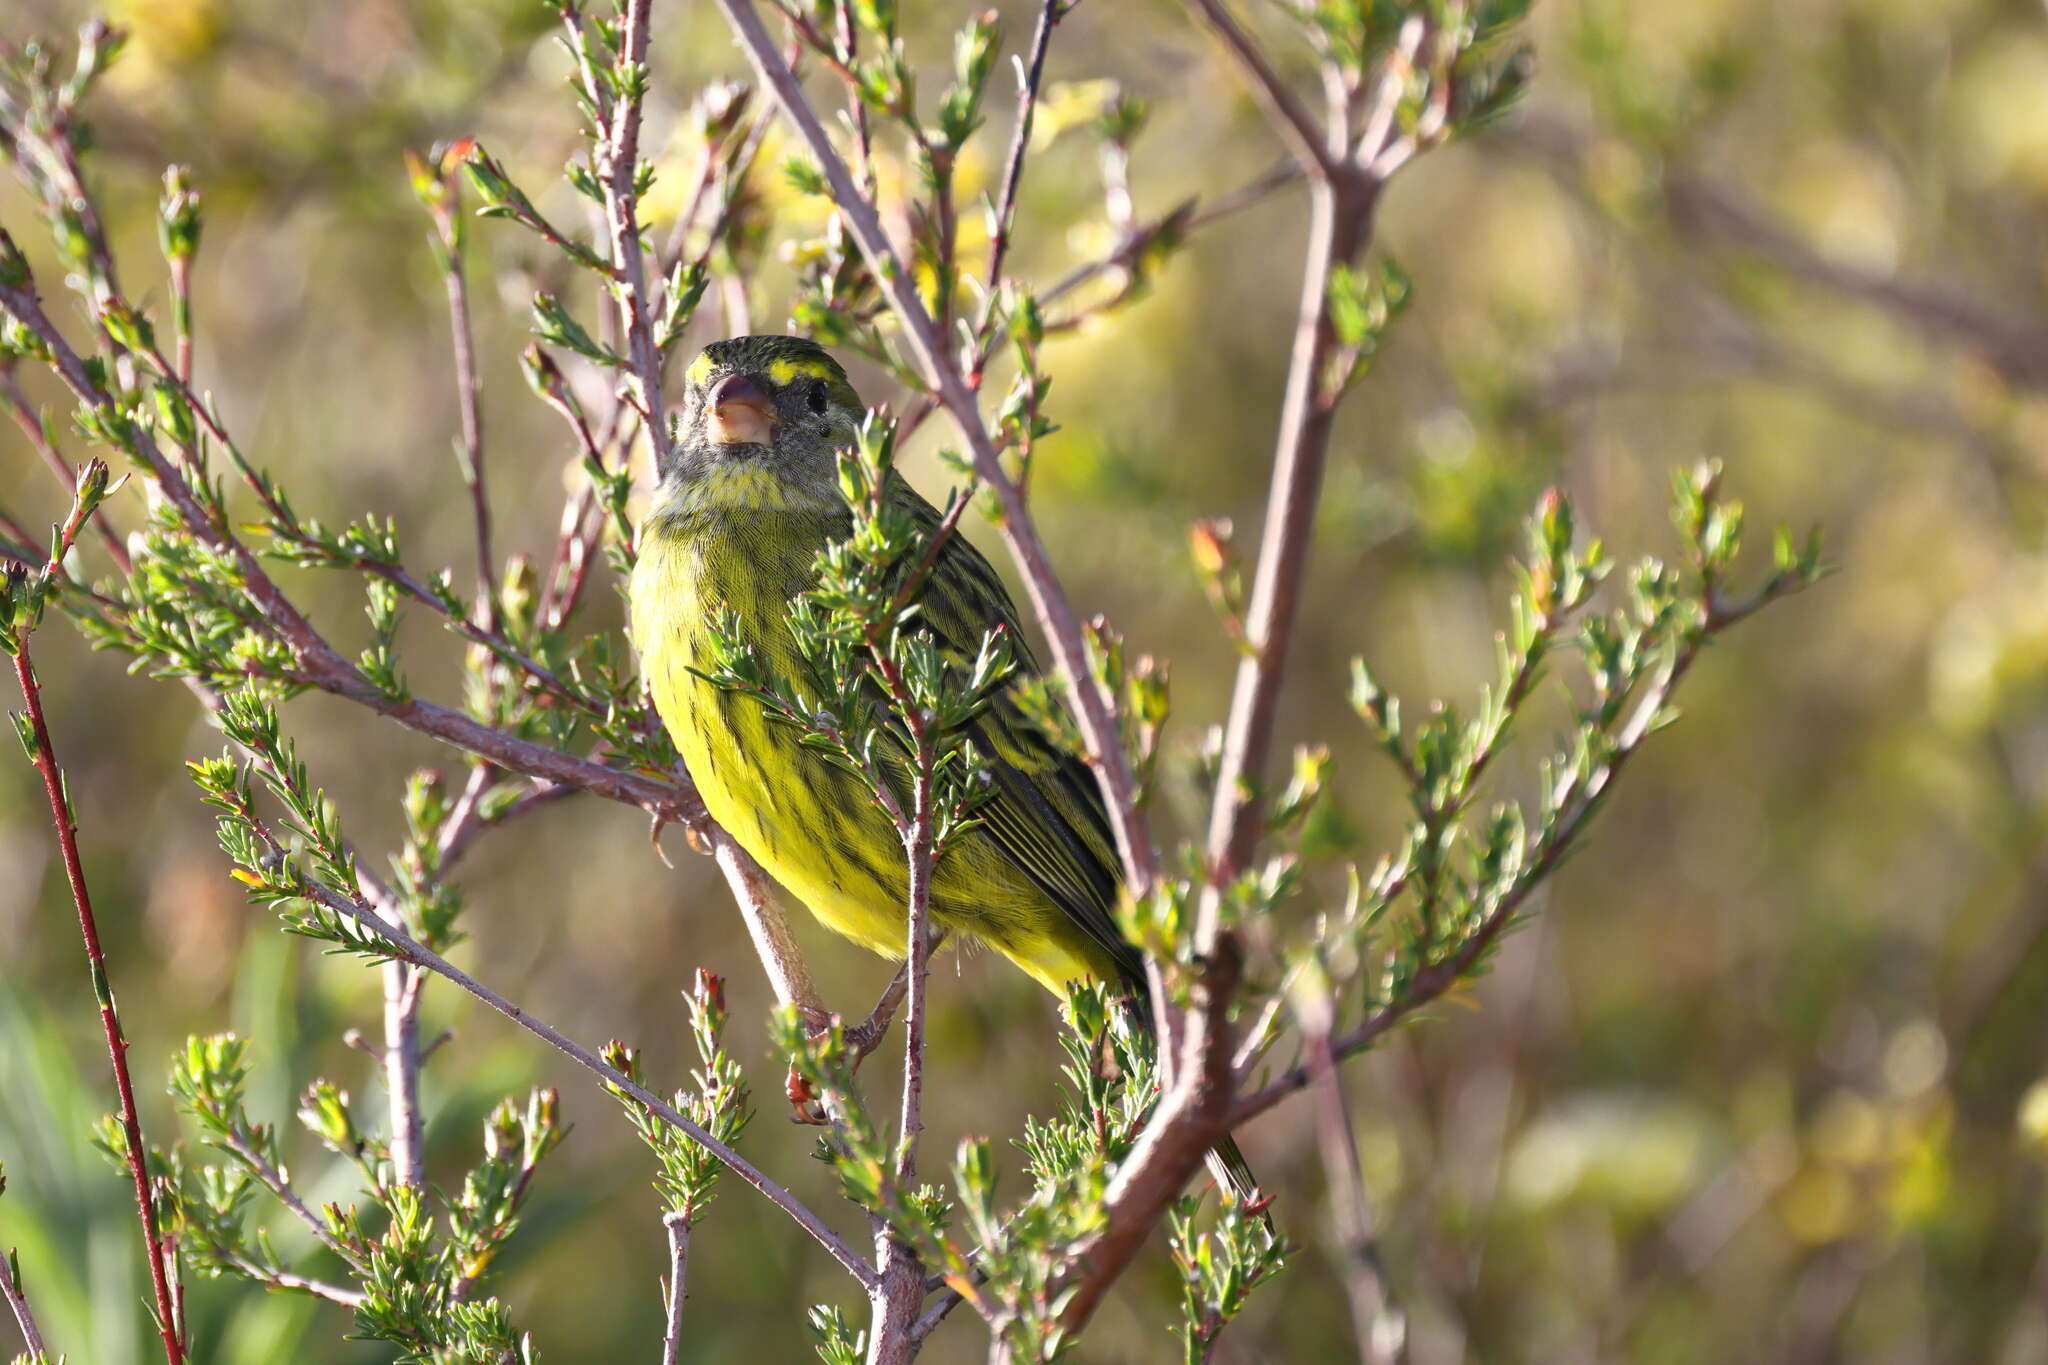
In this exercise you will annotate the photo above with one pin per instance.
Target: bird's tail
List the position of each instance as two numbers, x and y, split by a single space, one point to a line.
1233 1172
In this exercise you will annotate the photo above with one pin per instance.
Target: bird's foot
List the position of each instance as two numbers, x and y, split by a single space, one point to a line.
806 1105
864 1038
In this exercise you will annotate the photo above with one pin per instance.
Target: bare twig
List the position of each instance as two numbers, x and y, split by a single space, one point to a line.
677 1225
31 425
1340 224
788 974
617 163
1342 201
948 1300
455 845
864 1037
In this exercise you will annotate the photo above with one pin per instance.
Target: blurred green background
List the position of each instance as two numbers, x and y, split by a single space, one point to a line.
1764 1082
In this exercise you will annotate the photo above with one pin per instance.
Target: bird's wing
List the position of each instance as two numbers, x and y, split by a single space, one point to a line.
1047 814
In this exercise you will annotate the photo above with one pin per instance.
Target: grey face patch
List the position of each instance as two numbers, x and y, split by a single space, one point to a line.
803 448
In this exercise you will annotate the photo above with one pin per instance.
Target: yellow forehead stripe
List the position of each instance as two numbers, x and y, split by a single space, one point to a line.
700 369
783 372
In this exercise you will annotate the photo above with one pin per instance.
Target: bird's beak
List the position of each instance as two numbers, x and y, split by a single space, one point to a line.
740 413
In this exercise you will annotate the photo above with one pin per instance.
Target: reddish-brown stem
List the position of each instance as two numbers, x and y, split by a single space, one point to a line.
401 1059
1345 178
45 759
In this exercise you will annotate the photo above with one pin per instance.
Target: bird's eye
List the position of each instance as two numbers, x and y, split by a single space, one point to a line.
816 397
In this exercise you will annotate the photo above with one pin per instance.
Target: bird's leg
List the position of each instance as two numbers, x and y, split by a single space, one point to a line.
867 1035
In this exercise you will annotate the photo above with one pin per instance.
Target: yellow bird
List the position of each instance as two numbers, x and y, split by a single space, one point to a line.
748 496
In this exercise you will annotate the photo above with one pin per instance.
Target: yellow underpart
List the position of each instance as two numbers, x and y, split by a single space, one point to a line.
785 372
811 825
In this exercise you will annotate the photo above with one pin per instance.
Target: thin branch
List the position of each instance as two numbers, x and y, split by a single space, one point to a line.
281 1189
677 1225
1030 75
469 393
936 1314
1283 108
618 165
1182 219
864 1037
45 760
420 955
897 1298
1340 224
279 1278
31 426
1378 1326
1342 203
454 845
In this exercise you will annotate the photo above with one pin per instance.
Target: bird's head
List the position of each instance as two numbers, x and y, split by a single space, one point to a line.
761 420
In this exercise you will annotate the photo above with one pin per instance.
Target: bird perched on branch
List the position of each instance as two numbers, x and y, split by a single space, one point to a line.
749 495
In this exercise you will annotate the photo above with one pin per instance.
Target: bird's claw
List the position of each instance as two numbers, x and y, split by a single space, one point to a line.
807 1106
